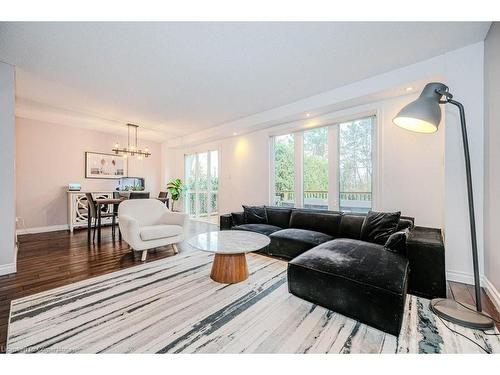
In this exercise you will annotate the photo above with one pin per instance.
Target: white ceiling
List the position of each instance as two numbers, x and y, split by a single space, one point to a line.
181 78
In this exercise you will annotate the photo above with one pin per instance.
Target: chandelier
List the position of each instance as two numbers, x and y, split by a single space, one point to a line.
131 149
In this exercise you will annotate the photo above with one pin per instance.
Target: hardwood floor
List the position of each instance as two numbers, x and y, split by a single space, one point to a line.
49 260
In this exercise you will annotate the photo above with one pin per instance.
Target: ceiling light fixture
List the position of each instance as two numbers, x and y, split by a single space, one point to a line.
308 114
409 88
131 149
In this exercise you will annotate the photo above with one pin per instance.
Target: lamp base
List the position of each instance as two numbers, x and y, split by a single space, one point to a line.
456 313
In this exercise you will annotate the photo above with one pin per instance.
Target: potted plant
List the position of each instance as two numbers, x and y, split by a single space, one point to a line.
176 189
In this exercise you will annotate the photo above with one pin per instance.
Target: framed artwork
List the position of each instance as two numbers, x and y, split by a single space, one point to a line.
107 166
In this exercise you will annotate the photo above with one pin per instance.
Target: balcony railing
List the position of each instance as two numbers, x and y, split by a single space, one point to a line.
358 201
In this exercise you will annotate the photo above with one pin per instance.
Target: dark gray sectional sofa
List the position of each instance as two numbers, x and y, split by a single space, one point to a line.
330 265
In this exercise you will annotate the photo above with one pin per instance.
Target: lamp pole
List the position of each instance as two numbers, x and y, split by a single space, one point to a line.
472 219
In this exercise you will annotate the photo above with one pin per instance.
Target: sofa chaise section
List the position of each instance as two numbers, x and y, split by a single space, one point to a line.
357 279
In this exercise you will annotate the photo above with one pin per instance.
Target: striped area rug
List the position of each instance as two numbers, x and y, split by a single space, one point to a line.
172 306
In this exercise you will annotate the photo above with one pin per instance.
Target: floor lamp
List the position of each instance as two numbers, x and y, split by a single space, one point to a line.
423 116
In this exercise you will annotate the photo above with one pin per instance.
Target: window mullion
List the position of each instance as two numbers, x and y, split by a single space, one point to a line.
272 171
333 168
209 184
299 169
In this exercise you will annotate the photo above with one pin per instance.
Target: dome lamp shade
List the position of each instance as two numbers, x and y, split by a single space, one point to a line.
424 114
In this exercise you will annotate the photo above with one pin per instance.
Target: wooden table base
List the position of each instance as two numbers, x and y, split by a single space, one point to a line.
229 268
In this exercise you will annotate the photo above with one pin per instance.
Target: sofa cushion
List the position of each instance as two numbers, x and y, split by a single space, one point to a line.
289 243
155 232
238 218
397 242
324 222
405 222
255 214
278 216
378 226
265 229
366 263
350 226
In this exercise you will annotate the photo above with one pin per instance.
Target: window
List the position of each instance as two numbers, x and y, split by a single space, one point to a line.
284 171
324 168
202 184
355 165
315 170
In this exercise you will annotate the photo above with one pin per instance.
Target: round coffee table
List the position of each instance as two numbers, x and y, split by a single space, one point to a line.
229 247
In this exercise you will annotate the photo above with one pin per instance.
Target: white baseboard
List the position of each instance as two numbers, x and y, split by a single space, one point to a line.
492 292
467 278
6 269
51 228
462 277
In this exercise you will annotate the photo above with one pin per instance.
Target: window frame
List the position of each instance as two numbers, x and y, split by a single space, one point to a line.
333 126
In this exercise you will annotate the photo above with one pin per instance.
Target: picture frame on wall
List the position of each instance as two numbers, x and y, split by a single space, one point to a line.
105 166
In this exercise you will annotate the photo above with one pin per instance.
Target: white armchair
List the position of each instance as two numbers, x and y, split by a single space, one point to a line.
148 223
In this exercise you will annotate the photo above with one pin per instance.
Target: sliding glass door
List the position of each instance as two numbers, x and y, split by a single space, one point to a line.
325 168
202 184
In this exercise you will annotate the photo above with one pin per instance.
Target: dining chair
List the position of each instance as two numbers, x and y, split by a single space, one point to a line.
163 197
137 195
116 195
92 217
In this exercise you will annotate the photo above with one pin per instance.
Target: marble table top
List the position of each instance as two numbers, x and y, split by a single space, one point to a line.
229 242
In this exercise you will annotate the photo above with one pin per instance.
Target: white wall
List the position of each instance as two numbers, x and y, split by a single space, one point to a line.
422 175
411 169
243 169
492 159
463 71
7 169
50 156
410 178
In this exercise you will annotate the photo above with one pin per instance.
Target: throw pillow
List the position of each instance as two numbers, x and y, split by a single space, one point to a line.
378 226
397 242
255 214
238 218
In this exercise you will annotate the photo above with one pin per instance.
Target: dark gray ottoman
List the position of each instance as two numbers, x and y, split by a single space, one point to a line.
357 279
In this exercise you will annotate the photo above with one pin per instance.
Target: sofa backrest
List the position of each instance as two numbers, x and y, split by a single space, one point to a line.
350 226
278 216
327 222
335 223
351 223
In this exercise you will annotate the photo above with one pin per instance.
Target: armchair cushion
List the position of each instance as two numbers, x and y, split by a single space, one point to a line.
172 218
155 232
